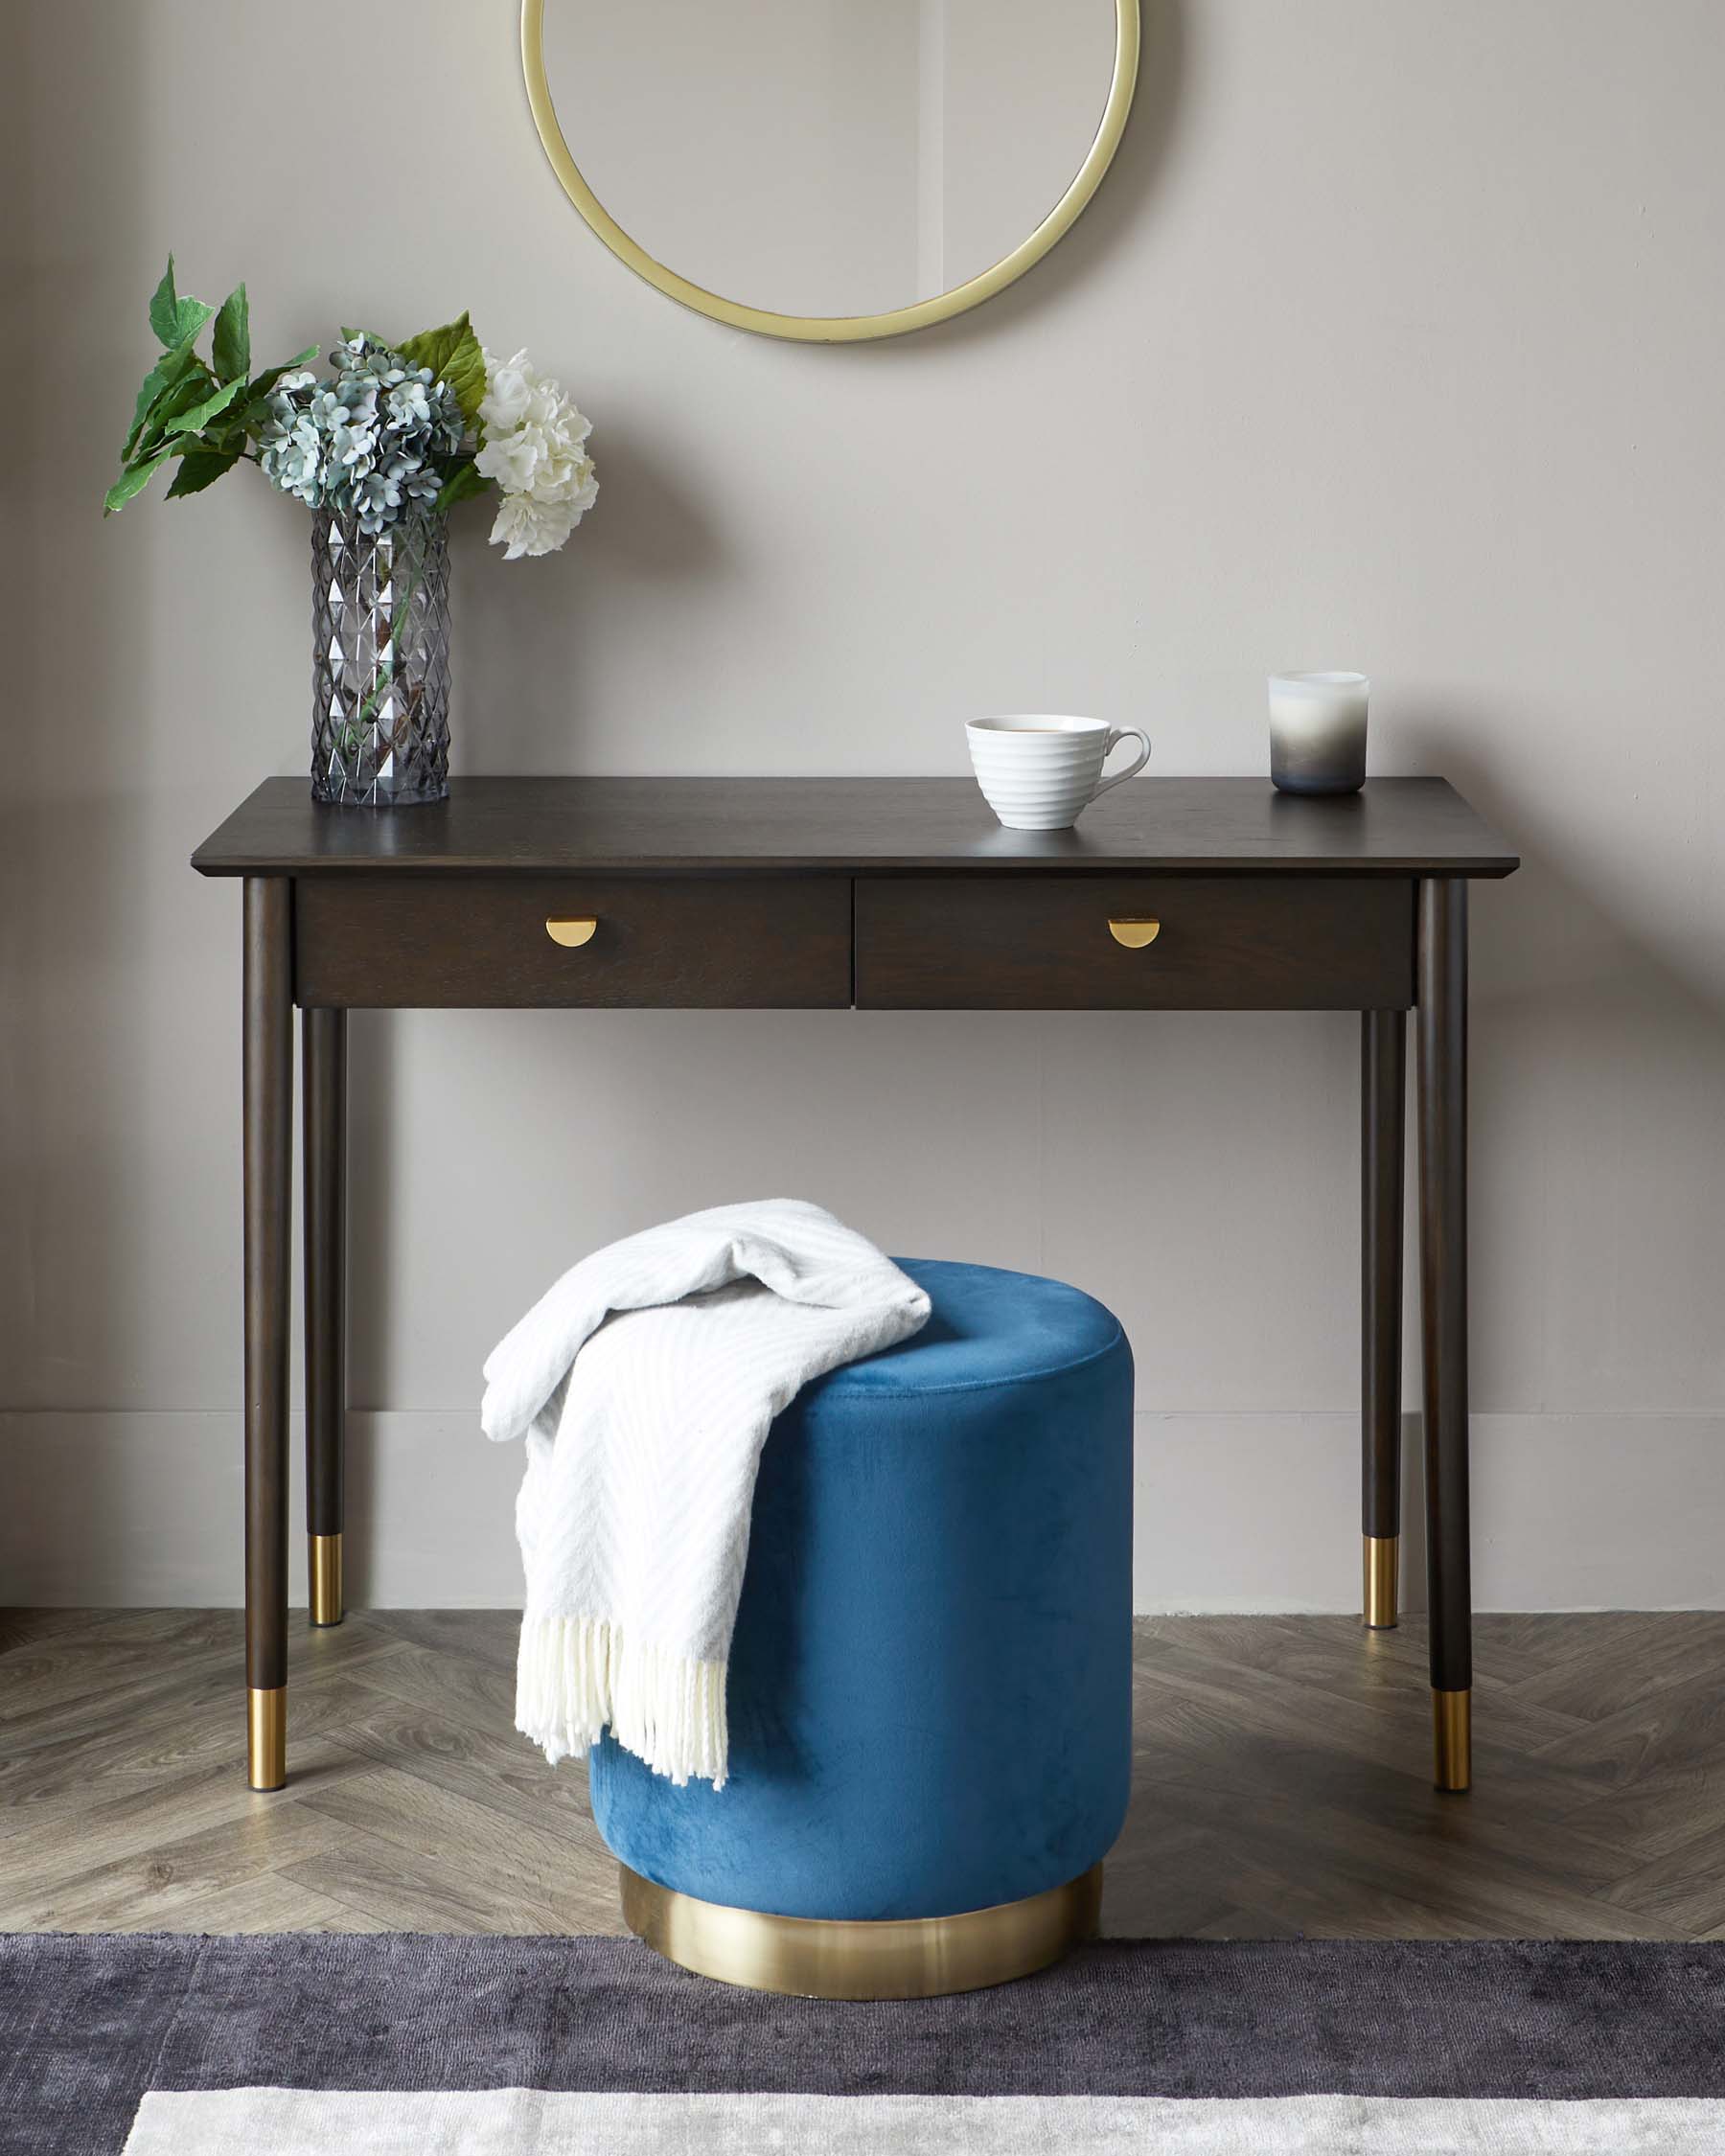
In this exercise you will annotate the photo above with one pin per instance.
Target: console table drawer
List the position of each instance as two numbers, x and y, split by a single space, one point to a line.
1045 943
476 942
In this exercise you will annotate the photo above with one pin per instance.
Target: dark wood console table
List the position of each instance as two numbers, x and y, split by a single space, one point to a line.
896 894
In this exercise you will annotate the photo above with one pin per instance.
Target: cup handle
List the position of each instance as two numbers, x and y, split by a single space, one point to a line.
1115 736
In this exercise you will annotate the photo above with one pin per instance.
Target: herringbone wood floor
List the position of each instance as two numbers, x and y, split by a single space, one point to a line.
1281 1783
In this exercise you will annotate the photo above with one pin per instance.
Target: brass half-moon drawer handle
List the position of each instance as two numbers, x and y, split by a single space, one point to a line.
1135 934
571 934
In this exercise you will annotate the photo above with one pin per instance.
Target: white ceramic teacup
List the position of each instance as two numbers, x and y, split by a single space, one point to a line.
1040 772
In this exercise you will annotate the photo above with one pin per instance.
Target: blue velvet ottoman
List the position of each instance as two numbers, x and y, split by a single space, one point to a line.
930 1687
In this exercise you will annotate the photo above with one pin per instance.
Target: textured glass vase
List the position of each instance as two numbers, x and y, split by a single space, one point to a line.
379 661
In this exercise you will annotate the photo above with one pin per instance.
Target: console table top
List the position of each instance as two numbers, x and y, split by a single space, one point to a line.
921 826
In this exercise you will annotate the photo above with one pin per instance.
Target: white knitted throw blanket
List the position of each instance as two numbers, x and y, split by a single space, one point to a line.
645 1383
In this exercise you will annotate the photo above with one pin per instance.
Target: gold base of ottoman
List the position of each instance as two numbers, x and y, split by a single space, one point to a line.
821 1958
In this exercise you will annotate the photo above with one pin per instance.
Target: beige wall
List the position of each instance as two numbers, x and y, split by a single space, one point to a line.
1393 341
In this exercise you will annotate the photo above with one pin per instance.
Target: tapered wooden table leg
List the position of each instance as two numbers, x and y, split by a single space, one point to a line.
1443 1034
323 1035
268 1115
1383 1083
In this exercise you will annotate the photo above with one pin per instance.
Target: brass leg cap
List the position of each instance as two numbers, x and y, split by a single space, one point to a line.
818 1957
267 1737
1383 1553
325 1572
1452 1729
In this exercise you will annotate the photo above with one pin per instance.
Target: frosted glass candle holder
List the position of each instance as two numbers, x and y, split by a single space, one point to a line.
1318 732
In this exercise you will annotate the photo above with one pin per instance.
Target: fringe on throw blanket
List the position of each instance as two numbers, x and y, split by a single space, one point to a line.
643 1385
576 1676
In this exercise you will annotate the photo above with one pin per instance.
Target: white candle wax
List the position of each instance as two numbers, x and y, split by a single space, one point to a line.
1318 732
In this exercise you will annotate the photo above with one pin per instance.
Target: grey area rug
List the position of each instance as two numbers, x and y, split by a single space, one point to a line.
409 2045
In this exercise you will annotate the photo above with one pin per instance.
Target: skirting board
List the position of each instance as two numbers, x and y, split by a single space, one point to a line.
1235 1512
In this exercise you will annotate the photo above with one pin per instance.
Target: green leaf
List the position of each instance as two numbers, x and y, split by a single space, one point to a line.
166 377
231 344
164 308
200 469
179 397
151 433
134 480
155 384
173 318
194 418
462 482
454 355
230 433
191 388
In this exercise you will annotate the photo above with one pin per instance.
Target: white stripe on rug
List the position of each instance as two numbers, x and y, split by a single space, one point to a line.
530 2123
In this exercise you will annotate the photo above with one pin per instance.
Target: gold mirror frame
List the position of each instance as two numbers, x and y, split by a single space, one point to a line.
835 328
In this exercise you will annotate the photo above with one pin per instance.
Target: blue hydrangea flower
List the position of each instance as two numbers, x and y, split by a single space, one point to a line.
371 443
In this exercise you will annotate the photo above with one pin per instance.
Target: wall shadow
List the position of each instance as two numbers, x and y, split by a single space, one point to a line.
528 644
1552 902
1547 942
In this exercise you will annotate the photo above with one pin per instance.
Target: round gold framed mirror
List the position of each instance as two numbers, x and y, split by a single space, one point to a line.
830 169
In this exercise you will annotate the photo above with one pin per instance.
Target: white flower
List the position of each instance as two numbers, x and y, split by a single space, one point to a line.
571 484
526 525
511 460
534 446
507 393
